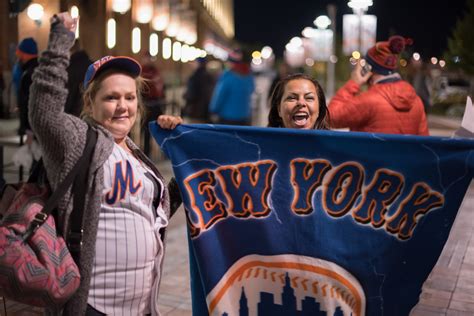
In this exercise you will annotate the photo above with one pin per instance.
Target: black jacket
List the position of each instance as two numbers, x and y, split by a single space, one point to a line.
76 72
198 94
24 94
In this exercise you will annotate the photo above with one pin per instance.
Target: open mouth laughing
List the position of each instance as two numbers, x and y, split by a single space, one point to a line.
300 118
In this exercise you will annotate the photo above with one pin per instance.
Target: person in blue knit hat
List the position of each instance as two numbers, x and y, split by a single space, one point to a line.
28 46
27 53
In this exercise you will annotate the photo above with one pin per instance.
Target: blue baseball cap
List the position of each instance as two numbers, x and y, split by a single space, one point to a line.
127 64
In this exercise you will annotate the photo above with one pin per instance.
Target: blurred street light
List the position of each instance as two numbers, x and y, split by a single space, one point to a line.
161 18
166 50
121 6
256 54
296 41
111 35
174 23
74 15
320 43
263 60
257 61
136 40
143 11
154 44
360 5
267 51
322 22
294 52
308 32
176 51
359 29
35 12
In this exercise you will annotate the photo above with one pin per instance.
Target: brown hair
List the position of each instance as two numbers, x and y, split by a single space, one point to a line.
274 119
94 86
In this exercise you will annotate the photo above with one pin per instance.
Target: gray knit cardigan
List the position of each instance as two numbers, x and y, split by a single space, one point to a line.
62 138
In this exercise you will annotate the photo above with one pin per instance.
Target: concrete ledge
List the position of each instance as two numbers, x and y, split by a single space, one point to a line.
444 121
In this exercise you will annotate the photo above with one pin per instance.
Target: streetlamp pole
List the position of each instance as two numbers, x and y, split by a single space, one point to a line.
322 22
360 7
360 14
330 86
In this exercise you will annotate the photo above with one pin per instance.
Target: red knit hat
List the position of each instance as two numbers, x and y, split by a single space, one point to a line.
383 57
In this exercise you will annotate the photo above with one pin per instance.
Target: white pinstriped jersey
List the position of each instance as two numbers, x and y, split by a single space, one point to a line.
129 249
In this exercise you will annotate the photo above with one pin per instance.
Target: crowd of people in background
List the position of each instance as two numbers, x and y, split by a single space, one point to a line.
379 100
227 97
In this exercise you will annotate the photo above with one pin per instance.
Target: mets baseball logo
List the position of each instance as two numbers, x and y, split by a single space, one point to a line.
101 61
286 285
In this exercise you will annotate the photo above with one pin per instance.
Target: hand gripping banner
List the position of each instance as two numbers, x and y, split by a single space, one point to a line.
291 222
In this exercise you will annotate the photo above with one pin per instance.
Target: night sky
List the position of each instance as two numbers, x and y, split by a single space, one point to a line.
275 22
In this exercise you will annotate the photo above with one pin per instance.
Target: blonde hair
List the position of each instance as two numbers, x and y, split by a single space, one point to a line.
94 86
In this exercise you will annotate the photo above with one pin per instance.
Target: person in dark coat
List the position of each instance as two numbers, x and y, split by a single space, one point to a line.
284 70
154 98
27 53
198 93
2 88
76 71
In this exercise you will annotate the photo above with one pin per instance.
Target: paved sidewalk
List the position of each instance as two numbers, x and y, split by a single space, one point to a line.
449 290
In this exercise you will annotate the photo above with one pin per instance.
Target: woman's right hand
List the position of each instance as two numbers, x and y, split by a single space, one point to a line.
169 121
69 22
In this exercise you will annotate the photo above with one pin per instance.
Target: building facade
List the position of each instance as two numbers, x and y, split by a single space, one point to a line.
174 32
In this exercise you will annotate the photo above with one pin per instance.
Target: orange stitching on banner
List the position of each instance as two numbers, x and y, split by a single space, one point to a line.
303 284
282 278
323 289
294 282
256 273
273 276
315 288
356 300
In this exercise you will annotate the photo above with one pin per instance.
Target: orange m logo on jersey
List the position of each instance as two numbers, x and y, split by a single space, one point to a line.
122 183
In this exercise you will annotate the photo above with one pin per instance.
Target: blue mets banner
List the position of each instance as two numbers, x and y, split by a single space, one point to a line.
292 222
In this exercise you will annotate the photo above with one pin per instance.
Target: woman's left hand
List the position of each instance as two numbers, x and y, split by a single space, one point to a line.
169 121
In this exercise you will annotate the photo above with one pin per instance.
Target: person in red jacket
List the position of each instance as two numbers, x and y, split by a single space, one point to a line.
390 105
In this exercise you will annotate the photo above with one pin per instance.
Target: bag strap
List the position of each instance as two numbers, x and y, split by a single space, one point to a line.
62 188
36 172
74 237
